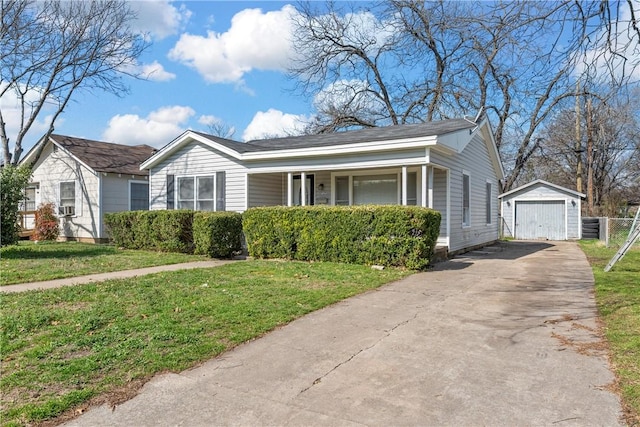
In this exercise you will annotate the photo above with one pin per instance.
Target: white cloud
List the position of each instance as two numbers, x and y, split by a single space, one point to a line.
208 120
256 40
155 72
159 18
157 129
273 123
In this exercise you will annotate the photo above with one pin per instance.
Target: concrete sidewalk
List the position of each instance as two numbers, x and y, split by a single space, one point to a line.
49 284
502 337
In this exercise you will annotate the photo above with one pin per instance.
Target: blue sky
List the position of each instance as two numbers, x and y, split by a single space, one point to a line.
209 61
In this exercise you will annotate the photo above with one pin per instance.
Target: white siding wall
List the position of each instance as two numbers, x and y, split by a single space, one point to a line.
476 161
266 189
197 159
54 167
440 197
542 192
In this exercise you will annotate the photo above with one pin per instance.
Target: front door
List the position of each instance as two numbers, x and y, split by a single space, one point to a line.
297 190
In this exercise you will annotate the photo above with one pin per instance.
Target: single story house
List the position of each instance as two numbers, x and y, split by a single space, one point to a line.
452 166
542 210
85 179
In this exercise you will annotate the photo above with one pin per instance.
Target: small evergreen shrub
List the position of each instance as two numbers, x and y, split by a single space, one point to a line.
168 231
387 235
47 225
13 181
217 234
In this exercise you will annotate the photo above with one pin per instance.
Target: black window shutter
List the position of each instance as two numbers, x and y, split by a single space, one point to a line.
220 191
170 195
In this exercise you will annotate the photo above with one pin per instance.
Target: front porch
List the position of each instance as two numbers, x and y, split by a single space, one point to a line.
424 185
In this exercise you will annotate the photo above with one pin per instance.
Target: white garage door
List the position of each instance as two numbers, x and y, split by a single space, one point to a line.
540 219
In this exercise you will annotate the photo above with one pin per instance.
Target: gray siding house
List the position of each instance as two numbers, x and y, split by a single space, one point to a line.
452 166
85 179
542 210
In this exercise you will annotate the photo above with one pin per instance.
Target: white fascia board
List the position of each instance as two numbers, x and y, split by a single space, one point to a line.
362 147
372 164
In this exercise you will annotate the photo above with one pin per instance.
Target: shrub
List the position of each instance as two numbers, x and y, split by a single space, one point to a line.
387 235
13 181
169 231
217 234
47 223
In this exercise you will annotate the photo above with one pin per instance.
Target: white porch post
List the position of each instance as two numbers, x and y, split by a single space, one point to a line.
404 186
303 189
290 189
423 186
430 189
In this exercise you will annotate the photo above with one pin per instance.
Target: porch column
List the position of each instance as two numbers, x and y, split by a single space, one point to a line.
404 186
303 189
423 186
290 189
430 188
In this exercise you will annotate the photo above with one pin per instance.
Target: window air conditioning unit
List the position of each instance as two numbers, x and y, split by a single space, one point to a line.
68 210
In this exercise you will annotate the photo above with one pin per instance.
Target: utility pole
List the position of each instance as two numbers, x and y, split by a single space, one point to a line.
578 147
589 158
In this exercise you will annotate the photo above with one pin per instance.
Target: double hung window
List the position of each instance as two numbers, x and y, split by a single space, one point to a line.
201 193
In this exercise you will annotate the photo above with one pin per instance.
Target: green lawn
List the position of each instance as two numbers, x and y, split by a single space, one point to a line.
62 348
618 299
31 262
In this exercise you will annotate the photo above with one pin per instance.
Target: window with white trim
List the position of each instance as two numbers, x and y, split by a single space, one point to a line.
466 198
138 196
67 199
201 193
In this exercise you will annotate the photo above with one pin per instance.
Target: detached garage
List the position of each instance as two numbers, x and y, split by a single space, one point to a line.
541 210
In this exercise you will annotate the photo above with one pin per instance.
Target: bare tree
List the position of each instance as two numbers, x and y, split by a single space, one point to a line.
405 61
51 49
221 129
609 147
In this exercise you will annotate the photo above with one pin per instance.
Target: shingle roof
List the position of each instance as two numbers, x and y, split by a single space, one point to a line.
106 156
348 137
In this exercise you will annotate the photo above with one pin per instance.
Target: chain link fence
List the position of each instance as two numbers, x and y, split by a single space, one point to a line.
619 229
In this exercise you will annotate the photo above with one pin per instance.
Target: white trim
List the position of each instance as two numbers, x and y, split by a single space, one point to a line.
303 189
543 182
176 190
246 192
330 166
331 150
290 189
100 207
448 228
404 190
76 189
423 185
430 188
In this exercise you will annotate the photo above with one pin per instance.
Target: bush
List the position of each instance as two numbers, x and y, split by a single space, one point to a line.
47 223
13 181
387 235
168 231
217 234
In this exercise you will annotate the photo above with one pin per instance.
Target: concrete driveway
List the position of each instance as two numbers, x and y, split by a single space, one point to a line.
502 336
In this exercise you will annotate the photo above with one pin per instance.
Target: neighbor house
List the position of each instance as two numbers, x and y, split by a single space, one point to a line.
452 166
543 211
85 179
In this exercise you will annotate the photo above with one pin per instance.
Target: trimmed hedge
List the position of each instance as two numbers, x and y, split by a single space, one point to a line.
168 231
217 234
385 235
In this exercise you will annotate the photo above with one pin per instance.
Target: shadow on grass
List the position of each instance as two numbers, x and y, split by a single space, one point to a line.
55 250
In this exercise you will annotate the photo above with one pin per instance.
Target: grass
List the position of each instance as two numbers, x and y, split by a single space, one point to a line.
618 300
66 347
31 262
